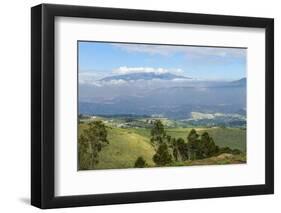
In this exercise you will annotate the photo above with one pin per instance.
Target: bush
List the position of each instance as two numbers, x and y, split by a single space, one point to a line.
162 156
230 151
140 163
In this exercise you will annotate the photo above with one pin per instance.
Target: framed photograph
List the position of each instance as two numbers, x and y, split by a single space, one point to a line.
139 106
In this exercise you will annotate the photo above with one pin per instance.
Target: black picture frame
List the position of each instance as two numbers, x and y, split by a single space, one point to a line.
43 117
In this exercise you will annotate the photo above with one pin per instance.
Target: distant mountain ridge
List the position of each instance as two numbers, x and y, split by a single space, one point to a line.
144 76
240 82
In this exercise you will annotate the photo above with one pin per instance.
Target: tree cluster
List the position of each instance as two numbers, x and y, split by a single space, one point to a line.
90 143
169 149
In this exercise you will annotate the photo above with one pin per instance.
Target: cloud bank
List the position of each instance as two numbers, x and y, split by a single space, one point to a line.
158 70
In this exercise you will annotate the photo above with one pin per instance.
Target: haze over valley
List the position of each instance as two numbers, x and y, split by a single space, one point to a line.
165 95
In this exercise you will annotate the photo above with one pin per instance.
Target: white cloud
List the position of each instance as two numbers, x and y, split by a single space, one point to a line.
90 77
86 76
94 78
181 79
115 82
159 70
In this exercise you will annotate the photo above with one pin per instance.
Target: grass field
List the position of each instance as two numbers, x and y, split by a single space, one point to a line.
234 138
124 148
127 144
218 160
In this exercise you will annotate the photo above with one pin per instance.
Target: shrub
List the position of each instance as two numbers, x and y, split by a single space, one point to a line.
140 163
162 156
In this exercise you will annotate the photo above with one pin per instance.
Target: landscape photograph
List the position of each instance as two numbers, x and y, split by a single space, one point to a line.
160 105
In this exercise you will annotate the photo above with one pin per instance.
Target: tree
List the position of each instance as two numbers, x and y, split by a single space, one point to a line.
162 156
183 148
91 141
157 133
83 153
192 144
175 149
140 163
180 149
207 146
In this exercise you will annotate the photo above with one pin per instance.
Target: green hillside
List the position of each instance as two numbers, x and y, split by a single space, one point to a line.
127 144
124 148
234 138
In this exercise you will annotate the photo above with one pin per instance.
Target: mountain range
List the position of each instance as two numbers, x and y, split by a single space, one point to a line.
144 76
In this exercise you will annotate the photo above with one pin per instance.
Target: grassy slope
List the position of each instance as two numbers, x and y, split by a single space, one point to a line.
124 148
234 138
126 145
219 160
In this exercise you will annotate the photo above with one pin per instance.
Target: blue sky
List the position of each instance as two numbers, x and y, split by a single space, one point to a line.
99 59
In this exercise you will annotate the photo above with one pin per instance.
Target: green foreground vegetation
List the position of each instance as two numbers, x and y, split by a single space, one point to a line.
102 145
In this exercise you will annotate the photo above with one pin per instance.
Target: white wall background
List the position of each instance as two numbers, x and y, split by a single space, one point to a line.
15 105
